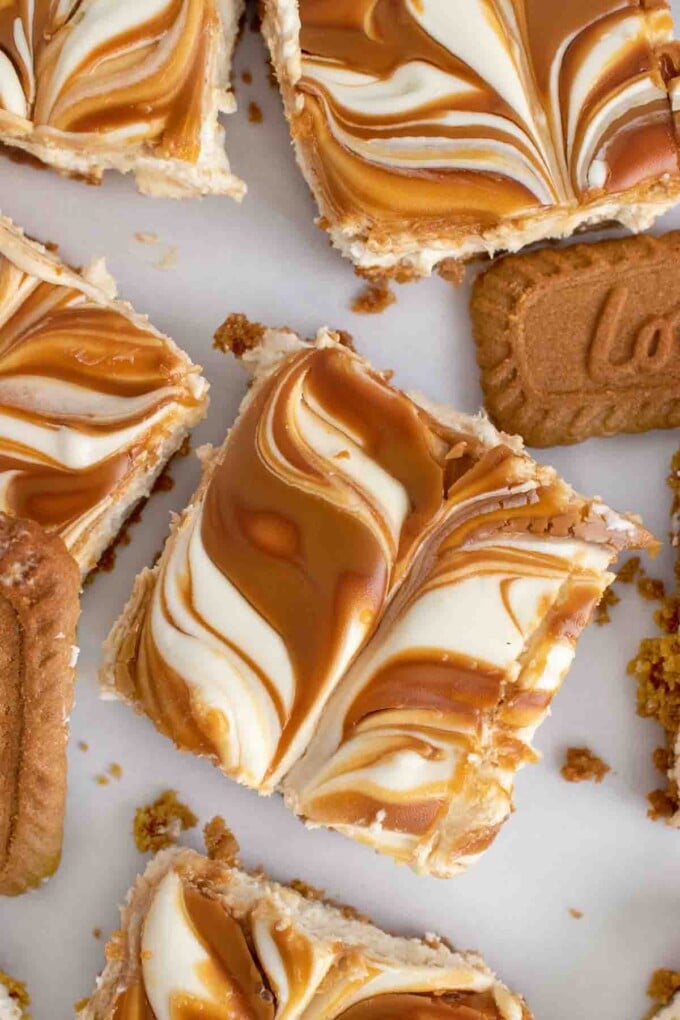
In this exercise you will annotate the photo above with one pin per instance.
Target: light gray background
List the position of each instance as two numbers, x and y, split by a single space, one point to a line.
589 847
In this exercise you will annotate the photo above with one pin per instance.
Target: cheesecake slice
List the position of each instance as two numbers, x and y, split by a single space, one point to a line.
199 937
93 399
433 132
129 85
369 603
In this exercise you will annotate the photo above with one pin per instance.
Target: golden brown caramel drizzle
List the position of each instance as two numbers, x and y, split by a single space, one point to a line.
57 334
232 977
376 37
435 696
305 563
458 1006
134 78
133 1004
297 957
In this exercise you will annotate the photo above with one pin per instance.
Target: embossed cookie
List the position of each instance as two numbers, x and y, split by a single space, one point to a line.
39 585
583 341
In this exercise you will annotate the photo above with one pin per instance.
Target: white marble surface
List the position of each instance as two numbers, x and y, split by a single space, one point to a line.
588 847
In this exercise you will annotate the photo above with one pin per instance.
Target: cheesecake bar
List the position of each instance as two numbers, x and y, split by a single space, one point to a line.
131 85
39 607
201 938
93 399
369 603
439 130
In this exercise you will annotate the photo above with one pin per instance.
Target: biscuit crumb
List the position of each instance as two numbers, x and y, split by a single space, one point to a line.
83 746
146 237
577 914
102 780
452 270
96 933
116 770
220 842
608 600
246 77
80 1004
582 764
663 985
158 825
254 113
238 334
629 570
375 297
17 992
168 259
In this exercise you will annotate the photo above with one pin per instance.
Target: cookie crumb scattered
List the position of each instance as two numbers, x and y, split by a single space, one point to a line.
663 985
80 1004
147 237
168 259
83 745
375 297
96 933
17 992
102 780
220 842
577 914
158 825
238 334
246 77
629 570
254 113
115 770
607 602
582 764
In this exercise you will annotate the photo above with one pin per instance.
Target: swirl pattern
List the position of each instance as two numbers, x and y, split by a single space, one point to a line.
206 951
124 77
416 751
348 544
89 395
439 120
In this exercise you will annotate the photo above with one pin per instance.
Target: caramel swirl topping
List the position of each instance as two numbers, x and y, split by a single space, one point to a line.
443 114
82 389
370 606
128 71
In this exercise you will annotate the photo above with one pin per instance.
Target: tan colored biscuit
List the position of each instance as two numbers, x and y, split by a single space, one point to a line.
39 585
582 341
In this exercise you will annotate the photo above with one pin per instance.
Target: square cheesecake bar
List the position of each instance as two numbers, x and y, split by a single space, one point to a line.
369 603
131 85
93 399
204 938
436 130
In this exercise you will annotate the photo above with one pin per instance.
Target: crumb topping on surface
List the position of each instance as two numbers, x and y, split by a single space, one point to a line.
220 842
662 986
375 297
656 667
577 914
17 992
582 764
159 824
608 600
254 113
238 334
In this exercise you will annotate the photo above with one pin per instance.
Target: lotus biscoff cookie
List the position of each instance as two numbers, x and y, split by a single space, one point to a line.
582 341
